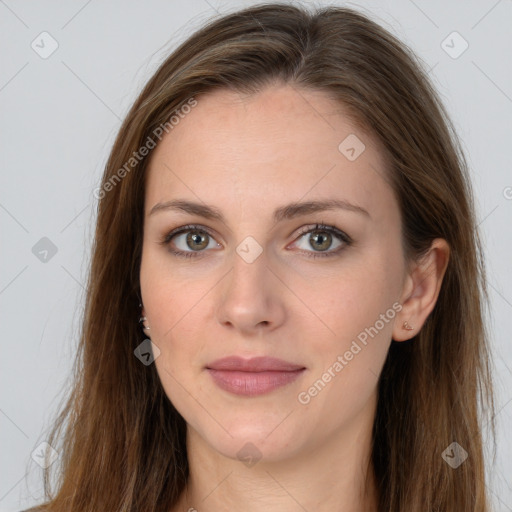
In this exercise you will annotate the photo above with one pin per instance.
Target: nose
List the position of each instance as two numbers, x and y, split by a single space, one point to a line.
251 298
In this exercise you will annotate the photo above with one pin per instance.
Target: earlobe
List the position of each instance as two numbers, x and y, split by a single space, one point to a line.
424 285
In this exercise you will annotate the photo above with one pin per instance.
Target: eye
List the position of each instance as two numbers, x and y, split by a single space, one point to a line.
190 241
321 238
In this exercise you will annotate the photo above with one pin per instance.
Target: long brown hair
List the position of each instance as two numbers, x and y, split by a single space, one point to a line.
122 442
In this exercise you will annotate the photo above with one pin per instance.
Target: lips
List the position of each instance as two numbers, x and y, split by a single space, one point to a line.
255 364
255 376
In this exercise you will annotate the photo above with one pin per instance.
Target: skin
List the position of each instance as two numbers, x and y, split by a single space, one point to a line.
248 155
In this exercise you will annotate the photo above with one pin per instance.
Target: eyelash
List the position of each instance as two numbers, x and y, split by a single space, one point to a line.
311 254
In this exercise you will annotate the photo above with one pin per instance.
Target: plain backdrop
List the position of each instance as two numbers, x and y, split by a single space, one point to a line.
68 75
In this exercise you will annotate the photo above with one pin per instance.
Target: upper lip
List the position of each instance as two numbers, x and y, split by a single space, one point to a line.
254 364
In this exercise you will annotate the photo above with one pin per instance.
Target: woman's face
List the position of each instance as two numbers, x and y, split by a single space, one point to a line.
255 278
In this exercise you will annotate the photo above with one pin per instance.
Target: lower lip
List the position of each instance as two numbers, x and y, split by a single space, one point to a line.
252 383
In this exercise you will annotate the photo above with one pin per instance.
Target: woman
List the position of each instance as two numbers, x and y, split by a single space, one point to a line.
285 302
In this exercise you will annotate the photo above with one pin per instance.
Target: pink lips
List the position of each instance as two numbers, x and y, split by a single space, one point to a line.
255 376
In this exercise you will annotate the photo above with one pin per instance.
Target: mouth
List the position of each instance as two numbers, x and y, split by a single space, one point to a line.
252 377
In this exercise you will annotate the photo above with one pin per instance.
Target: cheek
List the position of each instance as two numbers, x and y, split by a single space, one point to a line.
178 329
357 312
167 296
179 311
347 366
177 318
351 302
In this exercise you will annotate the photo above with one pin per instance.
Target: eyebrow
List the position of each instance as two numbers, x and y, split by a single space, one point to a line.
286 212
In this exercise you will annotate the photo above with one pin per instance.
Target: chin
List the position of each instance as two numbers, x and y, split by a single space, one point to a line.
251 442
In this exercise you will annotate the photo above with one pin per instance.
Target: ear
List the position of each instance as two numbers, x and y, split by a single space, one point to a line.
421 290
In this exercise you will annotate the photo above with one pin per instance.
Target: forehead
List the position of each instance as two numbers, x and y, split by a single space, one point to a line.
280 142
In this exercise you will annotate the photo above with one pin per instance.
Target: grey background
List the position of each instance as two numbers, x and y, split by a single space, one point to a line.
59 118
